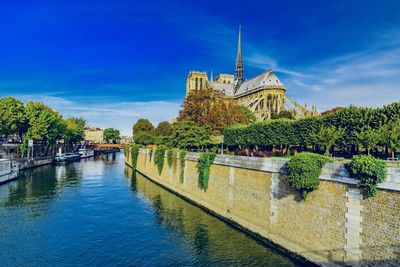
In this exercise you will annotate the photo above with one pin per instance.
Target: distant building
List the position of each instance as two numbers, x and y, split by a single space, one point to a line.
263 94
126 140
93 135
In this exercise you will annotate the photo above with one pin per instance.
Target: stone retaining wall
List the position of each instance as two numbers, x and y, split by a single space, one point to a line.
335 225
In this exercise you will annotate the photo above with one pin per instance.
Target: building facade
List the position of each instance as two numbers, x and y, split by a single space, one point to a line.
263 94
94 135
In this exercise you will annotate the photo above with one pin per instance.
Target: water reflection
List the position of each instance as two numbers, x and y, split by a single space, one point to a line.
212 241
39 186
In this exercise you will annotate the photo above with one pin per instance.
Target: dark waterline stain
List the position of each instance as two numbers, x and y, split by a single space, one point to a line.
97 212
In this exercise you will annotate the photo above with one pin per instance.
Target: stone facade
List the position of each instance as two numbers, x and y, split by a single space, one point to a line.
94 135
334 226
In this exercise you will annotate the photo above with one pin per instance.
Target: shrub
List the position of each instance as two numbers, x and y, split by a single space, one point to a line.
134 155
159 157
182 155
203 165
369 172
170 154
304 170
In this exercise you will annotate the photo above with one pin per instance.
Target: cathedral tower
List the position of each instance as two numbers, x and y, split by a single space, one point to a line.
239 73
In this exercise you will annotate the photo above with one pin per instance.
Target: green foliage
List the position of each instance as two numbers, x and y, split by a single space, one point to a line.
45 124
304 170
185 135
203 165
142 125
12 116
159 157
164 128
74 130
369 172
390 133
144 138
271 132
328 136
111 134
283 115
170 156
251 118
182 155
368 138
134 155
143 132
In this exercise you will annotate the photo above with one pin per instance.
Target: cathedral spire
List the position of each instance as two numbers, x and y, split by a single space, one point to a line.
239 73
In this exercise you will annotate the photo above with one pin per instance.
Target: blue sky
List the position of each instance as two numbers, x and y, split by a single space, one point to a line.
112 62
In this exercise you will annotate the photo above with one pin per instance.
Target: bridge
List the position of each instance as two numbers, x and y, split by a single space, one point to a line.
105 146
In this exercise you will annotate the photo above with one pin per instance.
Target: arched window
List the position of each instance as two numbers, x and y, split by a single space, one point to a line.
196 84
201 83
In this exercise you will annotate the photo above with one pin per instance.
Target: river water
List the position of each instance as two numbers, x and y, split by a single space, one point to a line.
97 212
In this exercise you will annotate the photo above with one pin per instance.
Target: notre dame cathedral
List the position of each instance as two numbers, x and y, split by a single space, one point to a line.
263 94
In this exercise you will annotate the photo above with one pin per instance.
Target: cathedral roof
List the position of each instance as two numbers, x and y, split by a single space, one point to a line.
225 88
265 79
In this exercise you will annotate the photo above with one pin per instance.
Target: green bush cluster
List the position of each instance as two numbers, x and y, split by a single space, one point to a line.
369 172
170 158
304 170
182 155
204 163
159 157
134 155
348 121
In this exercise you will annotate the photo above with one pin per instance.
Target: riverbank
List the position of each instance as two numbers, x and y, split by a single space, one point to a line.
335 225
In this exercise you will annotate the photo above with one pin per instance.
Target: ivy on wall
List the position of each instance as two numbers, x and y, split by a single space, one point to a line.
369 172
134 155
170 159
304 170
204 163
182 155
159 157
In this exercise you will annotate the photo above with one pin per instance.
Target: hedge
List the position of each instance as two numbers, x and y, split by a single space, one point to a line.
302 132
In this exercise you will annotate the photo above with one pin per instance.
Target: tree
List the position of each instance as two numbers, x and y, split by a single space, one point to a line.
368 138
210 108
46 124
74 130
12 117
111 134
144 138
283 115
328 136
142 125
186 134
390 133
163 129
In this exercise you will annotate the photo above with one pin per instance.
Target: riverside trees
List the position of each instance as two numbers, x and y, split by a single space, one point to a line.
38 122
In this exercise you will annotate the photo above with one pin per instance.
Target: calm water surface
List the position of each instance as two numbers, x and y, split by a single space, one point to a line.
98 213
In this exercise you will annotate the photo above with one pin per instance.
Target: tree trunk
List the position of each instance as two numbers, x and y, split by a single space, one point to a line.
327 150
393 153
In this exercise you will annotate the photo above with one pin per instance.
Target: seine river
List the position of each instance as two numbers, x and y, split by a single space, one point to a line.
98 213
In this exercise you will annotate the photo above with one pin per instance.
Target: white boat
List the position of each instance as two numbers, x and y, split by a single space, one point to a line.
8 170
86 153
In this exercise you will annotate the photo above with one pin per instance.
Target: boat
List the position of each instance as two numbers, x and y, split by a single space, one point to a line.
86 153
8 170
67 157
